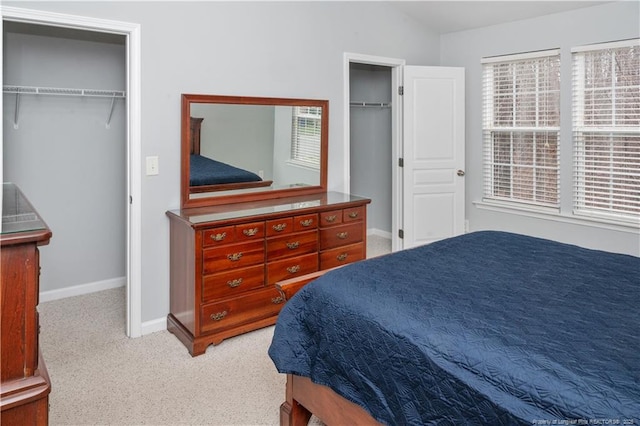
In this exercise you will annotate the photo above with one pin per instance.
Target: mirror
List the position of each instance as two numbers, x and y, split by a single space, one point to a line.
247 148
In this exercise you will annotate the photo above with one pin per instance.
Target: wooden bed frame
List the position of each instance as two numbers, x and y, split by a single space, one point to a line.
305 398
195 127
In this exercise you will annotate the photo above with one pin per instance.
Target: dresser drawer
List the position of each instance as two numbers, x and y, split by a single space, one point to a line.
279 226
219 259
233 234
218 236
240 310
291 267
305 223
341 256
353 214
331 218
230 283
250 231
292 245
341 235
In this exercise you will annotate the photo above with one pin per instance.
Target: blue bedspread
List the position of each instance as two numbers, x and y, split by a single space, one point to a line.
488 328
206 171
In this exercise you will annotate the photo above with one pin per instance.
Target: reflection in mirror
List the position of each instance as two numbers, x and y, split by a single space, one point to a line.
254 148
255 145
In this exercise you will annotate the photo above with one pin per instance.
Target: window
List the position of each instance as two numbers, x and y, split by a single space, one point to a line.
521 128
305 138
606 130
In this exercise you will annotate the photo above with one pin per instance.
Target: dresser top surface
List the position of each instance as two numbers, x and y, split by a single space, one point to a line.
266 207
18 215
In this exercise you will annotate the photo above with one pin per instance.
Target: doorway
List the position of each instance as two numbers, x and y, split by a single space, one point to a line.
427 149
131 34
373 136
370 141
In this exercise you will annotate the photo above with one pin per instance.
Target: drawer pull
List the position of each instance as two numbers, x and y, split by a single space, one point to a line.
234 257
277 300
279 227
293 245
342 235
293 269
250 232
353 215
218 237
218 315
306 223
342 256
331 218
234 283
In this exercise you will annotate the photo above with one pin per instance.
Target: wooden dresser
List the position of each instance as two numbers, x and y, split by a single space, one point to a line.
25 385
226 259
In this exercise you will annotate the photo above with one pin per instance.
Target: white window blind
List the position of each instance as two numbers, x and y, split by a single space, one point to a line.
521 128
305 138
606 130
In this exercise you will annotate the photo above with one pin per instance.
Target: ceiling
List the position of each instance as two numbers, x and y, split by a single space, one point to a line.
453 15
440 16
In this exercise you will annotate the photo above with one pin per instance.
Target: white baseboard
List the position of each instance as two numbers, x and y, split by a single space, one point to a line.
379 233
148 327
77 290
153 326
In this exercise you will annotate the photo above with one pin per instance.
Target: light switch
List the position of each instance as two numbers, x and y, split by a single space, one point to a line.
152 166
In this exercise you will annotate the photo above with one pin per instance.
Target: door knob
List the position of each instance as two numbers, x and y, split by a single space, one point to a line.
460 172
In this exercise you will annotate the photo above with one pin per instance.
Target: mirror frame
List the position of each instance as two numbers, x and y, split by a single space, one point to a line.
220 197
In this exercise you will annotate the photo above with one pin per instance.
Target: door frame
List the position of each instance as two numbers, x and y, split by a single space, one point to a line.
396 66
134 141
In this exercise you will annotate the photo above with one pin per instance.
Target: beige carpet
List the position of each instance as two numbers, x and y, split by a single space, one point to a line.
101 377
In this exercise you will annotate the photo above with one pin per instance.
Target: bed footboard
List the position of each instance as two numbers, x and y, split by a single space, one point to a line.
305 398
288 288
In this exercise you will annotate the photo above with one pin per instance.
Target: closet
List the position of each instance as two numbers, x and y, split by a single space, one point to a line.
371 165
64 146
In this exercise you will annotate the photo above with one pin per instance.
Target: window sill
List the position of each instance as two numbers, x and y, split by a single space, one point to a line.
555 215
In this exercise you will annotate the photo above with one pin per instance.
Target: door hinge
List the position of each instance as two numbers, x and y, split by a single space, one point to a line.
400 162
130 199
400 233
400 90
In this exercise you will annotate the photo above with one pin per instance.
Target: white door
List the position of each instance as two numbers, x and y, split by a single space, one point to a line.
433 154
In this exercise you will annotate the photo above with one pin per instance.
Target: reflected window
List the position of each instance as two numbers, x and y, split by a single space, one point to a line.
305 137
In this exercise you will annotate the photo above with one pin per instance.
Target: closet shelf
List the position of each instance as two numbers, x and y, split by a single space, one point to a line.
371 104
61 91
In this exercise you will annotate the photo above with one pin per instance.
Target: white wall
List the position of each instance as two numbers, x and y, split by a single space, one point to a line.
281 49
608 22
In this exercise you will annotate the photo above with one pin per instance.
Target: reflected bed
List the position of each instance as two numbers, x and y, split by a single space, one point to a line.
207 174
484 328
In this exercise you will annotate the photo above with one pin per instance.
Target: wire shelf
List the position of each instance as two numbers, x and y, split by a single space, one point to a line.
62 91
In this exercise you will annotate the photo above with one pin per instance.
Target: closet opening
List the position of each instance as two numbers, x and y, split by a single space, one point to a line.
65 144
371 148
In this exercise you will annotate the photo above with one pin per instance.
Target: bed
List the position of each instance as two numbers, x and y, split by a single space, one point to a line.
484 328
207 174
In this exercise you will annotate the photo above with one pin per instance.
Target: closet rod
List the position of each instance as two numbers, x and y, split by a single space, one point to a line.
60 91
371 104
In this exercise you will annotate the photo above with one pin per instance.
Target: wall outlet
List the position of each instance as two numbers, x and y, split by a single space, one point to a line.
152 166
